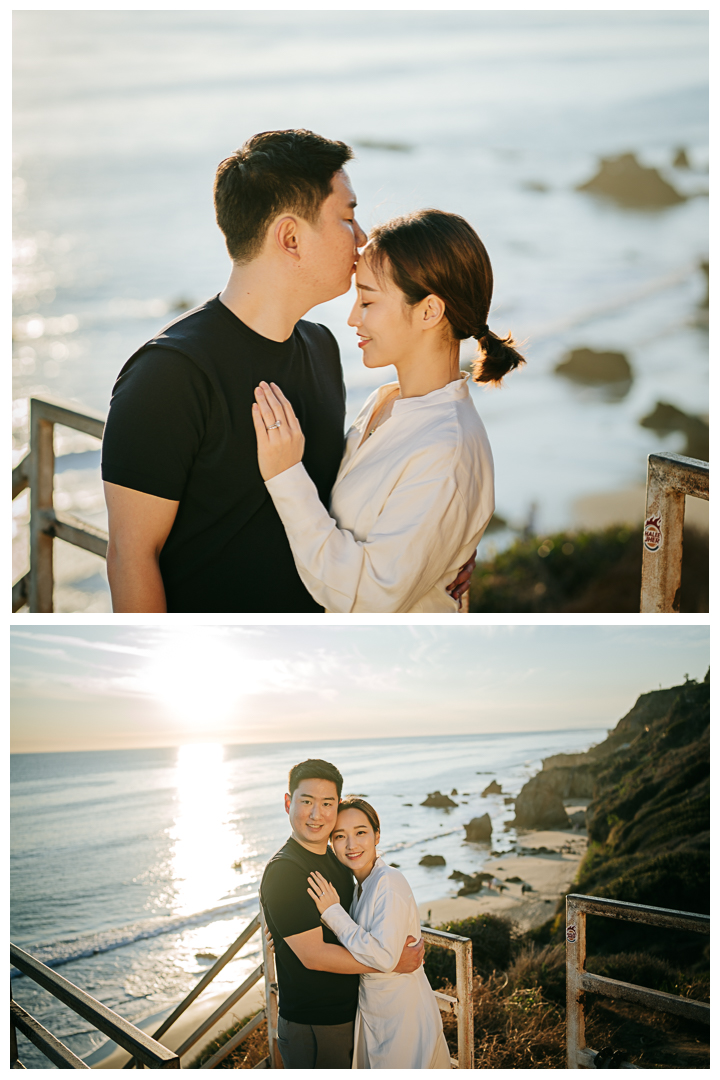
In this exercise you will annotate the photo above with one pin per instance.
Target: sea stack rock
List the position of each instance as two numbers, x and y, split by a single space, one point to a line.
589 366
432 860
631 184
479 830
436 799
540 806
493 788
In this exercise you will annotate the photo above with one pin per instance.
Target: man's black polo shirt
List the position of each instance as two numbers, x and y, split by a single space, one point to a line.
180 427
306 997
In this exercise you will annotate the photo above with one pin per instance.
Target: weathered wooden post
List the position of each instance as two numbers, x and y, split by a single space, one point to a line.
271 996
42 468
670 478
465 1008
13 1035
575 939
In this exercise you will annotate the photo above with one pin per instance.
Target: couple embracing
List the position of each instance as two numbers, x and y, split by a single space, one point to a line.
347 938
230 484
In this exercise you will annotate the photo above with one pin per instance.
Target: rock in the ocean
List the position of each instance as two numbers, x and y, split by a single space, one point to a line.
589 366
479 830
681 161
493 788
631 184
436 799
539 806
454 791
433 860
665 418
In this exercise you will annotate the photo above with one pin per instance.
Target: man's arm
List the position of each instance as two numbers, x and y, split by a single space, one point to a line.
139 525
319 955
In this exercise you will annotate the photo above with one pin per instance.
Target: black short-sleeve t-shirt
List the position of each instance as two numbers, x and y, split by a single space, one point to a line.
180 427
306 997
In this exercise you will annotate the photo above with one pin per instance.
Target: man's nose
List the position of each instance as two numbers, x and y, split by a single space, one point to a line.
360 236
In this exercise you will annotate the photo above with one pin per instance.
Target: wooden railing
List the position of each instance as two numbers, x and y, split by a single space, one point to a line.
670 478
461 1006
144 1048
37 471
580 981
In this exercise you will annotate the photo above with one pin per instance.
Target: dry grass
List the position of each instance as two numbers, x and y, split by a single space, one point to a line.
249 1054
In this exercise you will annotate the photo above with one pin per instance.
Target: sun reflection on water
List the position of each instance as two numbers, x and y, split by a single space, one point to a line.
205 843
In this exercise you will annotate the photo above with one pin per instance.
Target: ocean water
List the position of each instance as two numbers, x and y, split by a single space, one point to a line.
129 867
122 116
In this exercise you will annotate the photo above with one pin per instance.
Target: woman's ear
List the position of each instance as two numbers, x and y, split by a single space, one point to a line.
433 311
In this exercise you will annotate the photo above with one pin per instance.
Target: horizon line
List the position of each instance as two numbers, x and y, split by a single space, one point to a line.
339 738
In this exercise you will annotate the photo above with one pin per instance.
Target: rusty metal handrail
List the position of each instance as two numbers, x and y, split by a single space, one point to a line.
580 981
146 1049
36 471
670 478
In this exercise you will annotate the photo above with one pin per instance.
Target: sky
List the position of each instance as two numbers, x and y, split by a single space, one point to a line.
108 687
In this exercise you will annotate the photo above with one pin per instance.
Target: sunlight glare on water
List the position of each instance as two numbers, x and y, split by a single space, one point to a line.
201 860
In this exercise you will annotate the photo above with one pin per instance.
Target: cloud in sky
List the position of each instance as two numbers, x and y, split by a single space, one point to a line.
87 687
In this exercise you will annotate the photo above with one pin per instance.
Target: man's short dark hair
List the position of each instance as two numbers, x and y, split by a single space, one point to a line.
314 769
275 172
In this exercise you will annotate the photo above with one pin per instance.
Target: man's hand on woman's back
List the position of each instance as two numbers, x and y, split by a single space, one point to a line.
411 957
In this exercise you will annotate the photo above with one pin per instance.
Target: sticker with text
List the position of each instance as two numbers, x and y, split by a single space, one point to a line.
652 533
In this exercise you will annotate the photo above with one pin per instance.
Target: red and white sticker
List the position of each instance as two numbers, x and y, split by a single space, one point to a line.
571 933
652 533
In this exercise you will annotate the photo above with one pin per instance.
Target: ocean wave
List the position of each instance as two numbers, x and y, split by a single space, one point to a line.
55 954
423 840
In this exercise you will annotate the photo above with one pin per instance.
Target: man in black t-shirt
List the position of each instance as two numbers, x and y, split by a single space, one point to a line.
317 977
192 527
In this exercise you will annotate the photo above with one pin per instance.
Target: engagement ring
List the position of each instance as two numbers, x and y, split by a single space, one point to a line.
278 423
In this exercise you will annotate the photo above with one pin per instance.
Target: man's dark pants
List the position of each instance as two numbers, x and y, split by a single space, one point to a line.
315 1046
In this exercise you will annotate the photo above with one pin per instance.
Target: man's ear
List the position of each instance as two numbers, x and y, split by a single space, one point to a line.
286 235
433 311
287 803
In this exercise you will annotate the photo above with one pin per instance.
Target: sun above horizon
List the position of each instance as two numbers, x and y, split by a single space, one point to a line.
201 680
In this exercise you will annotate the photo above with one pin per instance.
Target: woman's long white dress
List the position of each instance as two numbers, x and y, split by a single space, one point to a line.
406 512
398 1023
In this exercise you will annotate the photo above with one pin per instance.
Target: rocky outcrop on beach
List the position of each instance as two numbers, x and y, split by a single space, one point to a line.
624 180
493 788
432 860
589 366
666 418
437 799
539 806
479 830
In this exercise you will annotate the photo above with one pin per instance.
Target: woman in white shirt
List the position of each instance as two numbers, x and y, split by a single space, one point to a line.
415 490
398 1023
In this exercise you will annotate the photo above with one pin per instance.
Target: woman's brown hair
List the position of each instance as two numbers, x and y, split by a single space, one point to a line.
431 251
356 803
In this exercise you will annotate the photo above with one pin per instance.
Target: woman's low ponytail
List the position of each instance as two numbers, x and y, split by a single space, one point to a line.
496 357
431 251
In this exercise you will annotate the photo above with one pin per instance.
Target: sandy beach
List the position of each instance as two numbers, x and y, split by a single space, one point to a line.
548 875
627 507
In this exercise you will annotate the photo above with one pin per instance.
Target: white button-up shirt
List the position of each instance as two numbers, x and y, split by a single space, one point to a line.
406 512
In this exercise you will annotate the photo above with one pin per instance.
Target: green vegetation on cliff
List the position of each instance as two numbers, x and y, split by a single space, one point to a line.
649 821
590 570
